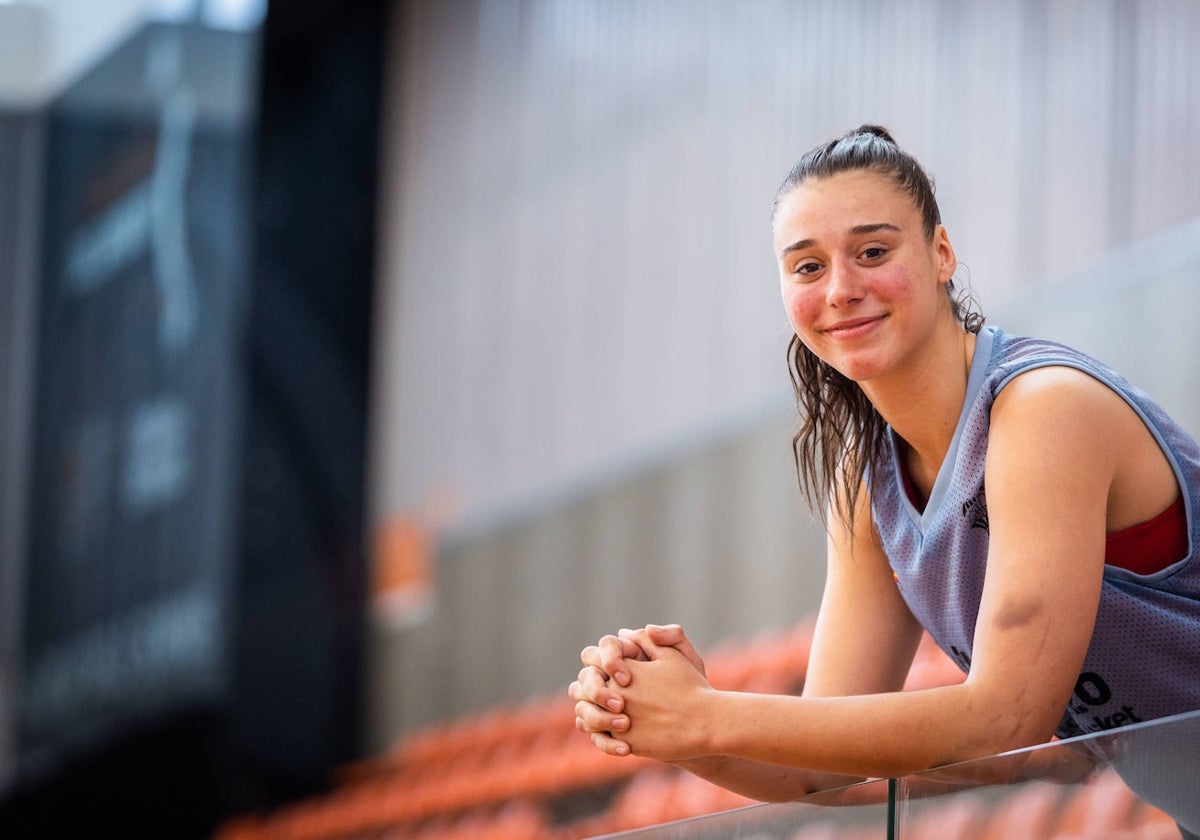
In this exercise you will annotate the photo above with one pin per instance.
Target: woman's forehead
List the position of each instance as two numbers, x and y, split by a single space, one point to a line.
842 201
858 183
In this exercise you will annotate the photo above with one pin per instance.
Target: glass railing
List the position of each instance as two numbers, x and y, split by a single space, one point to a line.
1139 782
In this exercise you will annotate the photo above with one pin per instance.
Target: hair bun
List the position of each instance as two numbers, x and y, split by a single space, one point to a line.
876 130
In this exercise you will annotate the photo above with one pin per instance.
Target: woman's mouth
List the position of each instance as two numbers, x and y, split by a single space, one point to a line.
854 327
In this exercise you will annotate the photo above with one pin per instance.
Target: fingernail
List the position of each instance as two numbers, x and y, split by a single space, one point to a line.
622 750
614 704
622 678
620 723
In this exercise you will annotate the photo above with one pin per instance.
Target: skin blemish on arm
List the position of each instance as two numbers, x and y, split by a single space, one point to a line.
1018 613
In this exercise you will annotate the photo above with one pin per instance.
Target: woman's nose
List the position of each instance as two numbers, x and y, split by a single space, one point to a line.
844 284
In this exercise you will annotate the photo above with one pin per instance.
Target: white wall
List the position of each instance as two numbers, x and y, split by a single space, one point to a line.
575 256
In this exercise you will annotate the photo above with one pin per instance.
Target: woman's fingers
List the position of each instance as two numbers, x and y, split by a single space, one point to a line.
599 706
654 637
610 745
672 635
591 718
593 687
609 655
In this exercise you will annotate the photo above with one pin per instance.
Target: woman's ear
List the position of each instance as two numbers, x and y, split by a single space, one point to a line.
947 262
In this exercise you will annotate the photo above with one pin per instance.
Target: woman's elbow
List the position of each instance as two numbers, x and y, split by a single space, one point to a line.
1008 728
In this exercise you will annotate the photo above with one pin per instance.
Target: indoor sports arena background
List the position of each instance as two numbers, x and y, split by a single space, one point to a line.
360 362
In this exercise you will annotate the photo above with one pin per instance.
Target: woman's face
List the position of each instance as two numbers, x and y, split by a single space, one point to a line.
863 287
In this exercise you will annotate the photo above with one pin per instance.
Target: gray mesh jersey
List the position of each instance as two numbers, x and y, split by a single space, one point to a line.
1144 657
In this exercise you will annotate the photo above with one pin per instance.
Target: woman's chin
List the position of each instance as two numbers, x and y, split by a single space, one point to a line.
857 370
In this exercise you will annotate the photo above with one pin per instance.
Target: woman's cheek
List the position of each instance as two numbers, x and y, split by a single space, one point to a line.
896 283
800 309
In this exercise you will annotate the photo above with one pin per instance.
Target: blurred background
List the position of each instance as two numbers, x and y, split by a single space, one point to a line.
360 362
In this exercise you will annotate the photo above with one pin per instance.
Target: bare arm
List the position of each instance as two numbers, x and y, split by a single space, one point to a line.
864 642
1050 469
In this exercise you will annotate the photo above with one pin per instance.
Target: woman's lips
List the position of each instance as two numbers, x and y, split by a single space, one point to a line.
854 327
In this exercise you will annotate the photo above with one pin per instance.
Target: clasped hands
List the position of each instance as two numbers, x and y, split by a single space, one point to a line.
643 692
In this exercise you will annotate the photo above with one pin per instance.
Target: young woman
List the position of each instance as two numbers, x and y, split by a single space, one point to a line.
1019 500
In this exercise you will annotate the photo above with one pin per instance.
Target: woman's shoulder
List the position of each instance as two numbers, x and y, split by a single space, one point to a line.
1043 365
1043 389
1057 391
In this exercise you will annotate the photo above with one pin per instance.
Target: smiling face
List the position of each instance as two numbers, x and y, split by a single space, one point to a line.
863 286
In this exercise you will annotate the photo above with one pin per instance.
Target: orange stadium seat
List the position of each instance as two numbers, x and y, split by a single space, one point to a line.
523 771
1099 808
959 818
931 667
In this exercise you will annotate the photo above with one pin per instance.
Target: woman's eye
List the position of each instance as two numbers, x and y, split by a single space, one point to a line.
873 253
806 268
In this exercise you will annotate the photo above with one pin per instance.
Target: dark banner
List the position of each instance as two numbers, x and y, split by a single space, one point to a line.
20 151
145 271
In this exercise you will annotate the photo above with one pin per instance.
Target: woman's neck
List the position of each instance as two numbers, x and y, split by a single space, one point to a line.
922 405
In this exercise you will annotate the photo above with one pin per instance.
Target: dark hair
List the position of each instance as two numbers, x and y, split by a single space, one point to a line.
841 435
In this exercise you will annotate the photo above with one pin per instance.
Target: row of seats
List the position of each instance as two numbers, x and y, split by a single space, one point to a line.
1103 807
525 772
529 752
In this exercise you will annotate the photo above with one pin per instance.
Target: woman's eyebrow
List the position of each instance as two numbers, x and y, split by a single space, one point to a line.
857 230
797 245
872 228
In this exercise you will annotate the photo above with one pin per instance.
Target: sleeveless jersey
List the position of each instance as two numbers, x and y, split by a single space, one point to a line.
1144 658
